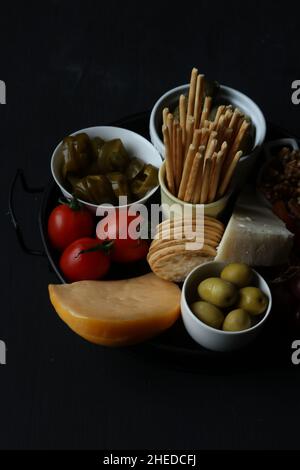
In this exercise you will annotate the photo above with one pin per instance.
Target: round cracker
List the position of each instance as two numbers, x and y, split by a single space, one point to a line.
178 234
158 244
176 267
209 221
169 225
178 250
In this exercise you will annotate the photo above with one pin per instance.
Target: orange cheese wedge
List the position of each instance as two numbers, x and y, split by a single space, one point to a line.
117 313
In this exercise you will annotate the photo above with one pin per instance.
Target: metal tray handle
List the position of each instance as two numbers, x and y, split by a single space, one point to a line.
20 176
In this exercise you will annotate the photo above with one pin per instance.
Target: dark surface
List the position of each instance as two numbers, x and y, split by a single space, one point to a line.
67 67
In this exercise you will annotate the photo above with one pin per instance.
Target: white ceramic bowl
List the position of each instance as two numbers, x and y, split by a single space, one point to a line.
171 203
226 94
135 144
211 338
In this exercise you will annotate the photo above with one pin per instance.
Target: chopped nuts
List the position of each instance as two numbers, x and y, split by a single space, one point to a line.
281 179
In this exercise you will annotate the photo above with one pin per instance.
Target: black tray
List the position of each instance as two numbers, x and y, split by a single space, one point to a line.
272 350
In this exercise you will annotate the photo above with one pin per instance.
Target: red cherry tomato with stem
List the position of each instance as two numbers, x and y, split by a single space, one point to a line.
69 222
85 259
123 230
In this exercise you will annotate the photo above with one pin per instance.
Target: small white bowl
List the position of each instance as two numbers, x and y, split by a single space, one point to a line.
211 338
226 94
135 144
171 203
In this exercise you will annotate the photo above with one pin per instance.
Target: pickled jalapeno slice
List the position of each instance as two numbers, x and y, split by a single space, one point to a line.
134 168
145 181
113 157
119 184
76 152
95 189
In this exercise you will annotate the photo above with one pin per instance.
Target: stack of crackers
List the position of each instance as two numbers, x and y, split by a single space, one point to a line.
181 244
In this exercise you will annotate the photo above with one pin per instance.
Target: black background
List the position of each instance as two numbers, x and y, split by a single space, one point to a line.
69 65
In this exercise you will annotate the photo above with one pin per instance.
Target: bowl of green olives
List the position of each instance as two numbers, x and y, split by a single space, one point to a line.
100 165
225 306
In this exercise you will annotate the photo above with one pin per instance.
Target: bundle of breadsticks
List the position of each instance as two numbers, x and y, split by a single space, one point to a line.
201 155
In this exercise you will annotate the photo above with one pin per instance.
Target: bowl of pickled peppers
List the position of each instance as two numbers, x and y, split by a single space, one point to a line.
98 171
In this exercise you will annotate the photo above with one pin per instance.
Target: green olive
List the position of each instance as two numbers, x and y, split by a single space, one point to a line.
218 292
208 313
237 320
253 300
239 274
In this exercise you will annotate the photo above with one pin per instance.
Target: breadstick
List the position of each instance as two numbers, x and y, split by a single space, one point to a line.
179 157
227 117
229 173
186 171
211 190
205 181
217 172
223 150
165 115
234 120
174 151
204 136
221 130
168 158
238 141
228 134
190 188
189 132
198 100
182 115
219 113
206 110
170 120
211 146
196 138
192 92
239 125
197 188
212 135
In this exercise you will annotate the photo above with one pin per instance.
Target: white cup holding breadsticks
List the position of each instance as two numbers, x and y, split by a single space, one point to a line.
204 153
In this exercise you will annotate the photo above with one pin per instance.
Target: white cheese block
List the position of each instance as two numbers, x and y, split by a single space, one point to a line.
254 235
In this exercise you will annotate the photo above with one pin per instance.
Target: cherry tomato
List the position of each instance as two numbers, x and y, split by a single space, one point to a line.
85 259
124 252
123 230
67 223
